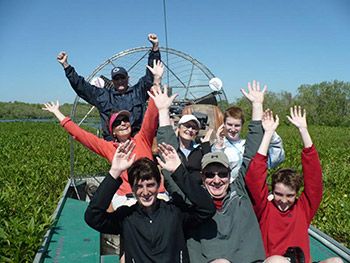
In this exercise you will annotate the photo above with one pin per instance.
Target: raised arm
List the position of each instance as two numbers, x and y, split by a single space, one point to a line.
270 127
146 82
202 205
276 154
62 58
83 89
298 119
96 215
257 172
55 109
89 140
255 131
150 121
163 103
312 171
256 97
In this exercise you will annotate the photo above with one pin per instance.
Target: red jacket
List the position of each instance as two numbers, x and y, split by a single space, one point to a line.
281 230
143 142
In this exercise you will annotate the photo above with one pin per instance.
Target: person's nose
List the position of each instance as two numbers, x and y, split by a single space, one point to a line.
217 179
145 190
284 199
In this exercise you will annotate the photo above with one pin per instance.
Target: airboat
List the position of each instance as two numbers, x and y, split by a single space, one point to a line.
70 239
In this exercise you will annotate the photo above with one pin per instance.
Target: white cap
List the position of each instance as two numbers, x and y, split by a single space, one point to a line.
187 118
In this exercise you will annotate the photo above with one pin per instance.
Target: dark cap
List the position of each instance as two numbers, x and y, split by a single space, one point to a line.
118 71
215 157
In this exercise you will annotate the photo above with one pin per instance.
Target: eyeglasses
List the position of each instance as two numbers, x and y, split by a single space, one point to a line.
119 121
190 125
211 175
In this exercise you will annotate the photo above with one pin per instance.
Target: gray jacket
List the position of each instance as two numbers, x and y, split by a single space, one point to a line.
233 233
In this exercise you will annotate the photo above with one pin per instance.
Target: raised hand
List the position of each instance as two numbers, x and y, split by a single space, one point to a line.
254 94
154 40
121 159
298 117
220 133
55 109
62 58
171 158
157 70
268 123
161 98
207 136
51 106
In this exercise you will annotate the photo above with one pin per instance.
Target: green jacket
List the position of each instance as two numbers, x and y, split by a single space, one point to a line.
233 233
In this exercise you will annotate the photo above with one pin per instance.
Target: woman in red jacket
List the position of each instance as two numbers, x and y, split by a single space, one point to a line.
121 130
284 219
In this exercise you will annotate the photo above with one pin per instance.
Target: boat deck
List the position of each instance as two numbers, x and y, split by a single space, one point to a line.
72 240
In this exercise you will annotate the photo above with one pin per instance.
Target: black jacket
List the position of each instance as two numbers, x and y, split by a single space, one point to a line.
155 237
108 99
193 162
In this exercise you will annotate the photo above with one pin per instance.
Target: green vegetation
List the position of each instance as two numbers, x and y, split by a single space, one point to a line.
327 103
35 165
35 168
33 172
21 110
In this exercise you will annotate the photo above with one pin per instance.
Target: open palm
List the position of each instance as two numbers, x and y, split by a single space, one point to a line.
254 94
121 159
298 117
171 158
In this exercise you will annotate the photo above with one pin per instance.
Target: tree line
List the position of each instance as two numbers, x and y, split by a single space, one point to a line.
21 110
327 103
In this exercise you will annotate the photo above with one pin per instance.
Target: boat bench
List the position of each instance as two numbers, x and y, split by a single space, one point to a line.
73 240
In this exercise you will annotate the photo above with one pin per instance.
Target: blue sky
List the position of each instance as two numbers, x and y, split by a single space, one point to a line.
281 43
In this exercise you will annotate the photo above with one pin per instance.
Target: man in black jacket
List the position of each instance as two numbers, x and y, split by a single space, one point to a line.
153 230
122 96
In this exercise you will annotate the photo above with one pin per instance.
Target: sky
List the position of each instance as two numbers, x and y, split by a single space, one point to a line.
283 44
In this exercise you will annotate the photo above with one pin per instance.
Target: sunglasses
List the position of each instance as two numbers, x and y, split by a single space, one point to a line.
190 125
211 175
119 121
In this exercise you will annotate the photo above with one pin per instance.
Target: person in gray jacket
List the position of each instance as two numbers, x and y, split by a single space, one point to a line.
233 234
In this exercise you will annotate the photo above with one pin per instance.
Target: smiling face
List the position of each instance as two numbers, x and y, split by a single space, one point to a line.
188 130
216 179
146 192
120 83
284 196
122 128
233 128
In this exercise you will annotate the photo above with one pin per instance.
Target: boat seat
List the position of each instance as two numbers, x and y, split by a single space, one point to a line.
72 239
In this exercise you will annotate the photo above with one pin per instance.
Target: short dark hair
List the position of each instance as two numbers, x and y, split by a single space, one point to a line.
234 112
288 177
143 169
